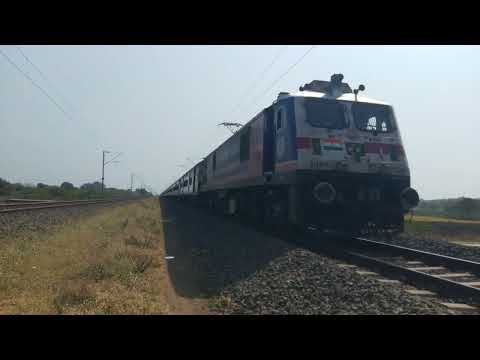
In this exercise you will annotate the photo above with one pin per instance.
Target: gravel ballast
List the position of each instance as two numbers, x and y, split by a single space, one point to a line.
435 246
247 272
301 282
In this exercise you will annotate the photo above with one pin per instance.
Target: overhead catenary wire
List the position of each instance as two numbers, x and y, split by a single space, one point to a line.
91 133
36 85
44 77
252 87
259 78
255 100
283 75
44 91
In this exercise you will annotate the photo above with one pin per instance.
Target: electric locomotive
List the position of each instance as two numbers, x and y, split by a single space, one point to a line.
324 156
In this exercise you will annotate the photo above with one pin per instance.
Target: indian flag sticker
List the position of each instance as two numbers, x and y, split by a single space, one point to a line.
332 145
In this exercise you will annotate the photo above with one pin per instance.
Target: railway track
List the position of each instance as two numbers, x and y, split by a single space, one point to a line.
453 279
449 277
31 206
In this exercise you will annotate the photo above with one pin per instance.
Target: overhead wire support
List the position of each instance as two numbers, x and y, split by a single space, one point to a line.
131 181
35 84
233 127
105 163
112 159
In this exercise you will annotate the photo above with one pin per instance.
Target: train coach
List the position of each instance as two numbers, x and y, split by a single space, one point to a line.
324 156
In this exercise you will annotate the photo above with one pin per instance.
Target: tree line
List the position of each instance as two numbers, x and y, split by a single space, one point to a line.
461 208
66 191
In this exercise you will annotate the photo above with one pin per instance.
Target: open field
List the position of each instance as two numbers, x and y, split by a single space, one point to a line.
423 218
110 263
438 228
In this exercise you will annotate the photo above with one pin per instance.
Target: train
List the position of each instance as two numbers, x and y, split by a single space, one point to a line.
324 157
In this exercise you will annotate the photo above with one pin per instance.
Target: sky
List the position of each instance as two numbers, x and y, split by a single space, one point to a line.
161 105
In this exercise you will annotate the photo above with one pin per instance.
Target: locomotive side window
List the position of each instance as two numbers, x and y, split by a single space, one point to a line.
373 117
325 114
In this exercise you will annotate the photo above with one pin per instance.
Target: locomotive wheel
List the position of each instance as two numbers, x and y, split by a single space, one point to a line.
232 208
242 206
211 205
275 211
267 213
255 210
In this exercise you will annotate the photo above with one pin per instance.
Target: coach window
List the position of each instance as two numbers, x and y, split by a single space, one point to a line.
280 119
245 144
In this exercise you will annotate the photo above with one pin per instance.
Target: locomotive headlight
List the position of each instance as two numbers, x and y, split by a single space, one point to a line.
324 192
409 198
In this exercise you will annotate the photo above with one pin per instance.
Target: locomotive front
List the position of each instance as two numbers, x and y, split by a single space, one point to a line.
351 163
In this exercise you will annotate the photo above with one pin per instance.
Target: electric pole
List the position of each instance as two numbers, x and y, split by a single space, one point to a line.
131 182
103 167
106 163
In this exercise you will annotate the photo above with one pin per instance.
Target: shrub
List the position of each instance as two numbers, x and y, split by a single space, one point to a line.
72 294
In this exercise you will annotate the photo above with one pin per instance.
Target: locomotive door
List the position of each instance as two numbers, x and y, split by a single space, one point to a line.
269 142
195 170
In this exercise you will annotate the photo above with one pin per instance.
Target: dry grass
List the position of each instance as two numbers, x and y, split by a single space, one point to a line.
111 263
421 218
219 303
452 230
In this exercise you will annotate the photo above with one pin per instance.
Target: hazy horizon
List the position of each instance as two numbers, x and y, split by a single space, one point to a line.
160 105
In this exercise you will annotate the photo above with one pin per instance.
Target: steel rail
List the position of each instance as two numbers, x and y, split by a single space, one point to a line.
26 200
442 286
375 255
43 203
448 261
51 206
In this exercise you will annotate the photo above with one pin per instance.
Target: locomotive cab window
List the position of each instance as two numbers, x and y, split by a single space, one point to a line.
373 117
327 114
